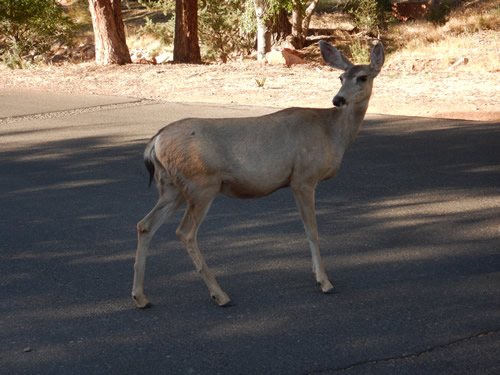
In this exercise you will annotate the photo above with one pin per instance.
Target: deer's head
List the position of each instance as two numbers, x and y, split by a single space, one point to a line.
357 80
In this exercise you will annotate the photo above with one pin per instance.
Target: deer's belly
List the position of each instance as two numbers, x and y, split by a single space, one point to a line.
247 188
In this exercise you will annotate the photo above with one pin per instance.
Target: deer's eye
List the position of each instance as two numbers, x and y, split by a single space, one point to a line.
341 79
362 78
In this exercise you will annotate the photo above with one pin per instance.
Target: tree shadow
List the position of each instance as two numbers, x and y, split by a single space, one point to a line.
408 232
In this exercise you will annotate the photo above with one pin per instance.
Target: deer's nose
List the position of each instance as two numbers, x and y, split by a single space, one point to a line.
339 101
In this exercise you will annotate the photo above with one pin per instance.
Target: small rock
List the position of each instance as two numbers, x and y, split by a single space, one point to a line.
292 51
164 57
283 57
136 55
27 349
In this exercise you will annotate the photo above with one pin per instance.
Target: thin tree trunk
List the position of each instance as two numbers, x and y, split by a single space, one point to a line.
186 46
109 32
297 17
307 18
263 29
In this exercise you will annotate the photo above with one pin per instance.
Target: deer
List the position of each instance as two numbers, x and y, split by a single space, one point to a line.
194 159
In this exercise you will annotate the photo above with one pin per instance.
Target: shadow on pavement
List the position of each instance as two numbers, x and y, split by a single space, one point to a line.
408 231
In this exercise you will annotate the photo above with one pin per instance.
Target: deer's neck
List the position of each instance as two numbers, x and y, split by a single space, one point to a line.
347 121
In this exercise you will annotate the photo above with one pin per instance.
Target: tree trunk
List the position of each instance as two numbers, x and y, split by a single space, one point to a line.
109 32
281 27
186 47
301 18
307 18
297 17
263 29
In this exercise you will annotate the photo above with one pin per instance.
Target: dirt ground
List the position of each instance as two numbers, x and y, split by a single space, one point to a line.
445 94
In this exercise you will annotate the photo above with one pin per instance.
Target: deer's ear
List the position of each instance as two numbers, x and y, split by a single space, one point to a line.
333 57
377 58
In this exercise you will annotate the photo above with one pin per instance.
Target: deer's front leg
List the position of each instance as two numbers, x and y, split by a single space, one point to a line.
304 197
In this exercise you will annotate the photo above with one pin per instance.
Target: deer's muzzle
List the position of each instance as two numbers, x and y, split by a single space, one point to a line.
339 101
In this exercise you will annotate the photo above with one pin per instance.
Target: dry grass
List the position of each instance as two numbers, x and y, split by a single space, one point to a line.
340 21
147 45
474 16
472 32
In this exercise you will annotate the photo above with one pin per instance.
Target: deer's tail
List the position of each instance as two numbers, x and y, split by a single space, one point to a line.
149 159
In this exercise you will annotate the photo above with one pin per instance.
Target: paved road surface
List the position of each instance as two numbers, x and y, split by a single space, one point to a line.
409 232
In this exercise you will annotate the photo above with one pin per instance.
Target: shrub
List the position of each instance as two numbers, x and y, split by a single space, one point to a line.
31 27
220 30
359 52
367 15
164 32
166 6
440 12
220 26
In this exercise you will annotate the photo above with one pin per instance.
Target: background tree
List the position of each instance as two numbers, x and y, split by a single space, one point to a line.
301 18
31 27
186 46
263 15
109 32
228 26
271 17
220 29
281 26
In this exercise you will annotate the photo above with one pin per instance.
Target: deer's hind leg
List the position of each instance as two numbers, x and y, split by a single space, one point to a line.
197 208
169 201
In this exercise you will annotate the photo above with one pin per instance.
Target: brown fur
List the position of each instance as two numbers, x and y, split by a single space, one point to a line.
195 159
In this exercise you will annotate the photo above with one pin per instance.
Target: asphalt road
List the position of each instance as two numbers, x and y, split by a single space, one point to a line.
409 232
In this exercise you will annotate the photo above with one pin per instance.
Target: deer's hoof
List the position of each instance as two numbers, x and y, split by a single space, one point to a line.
142 303
327 288
222 300
329 291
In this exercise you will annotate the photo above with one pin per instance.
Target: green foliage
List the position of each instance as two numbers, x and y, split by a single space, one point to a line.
248 19
367 15
221 26
79 12
220 30
260 82
440 12
31 27
163 31
275 5
226 27
12 58
166 6
359 52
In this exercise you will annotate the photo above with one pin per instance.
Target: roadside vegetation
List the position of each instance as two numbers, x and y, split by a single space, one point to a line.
462 32
29 28
467 34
